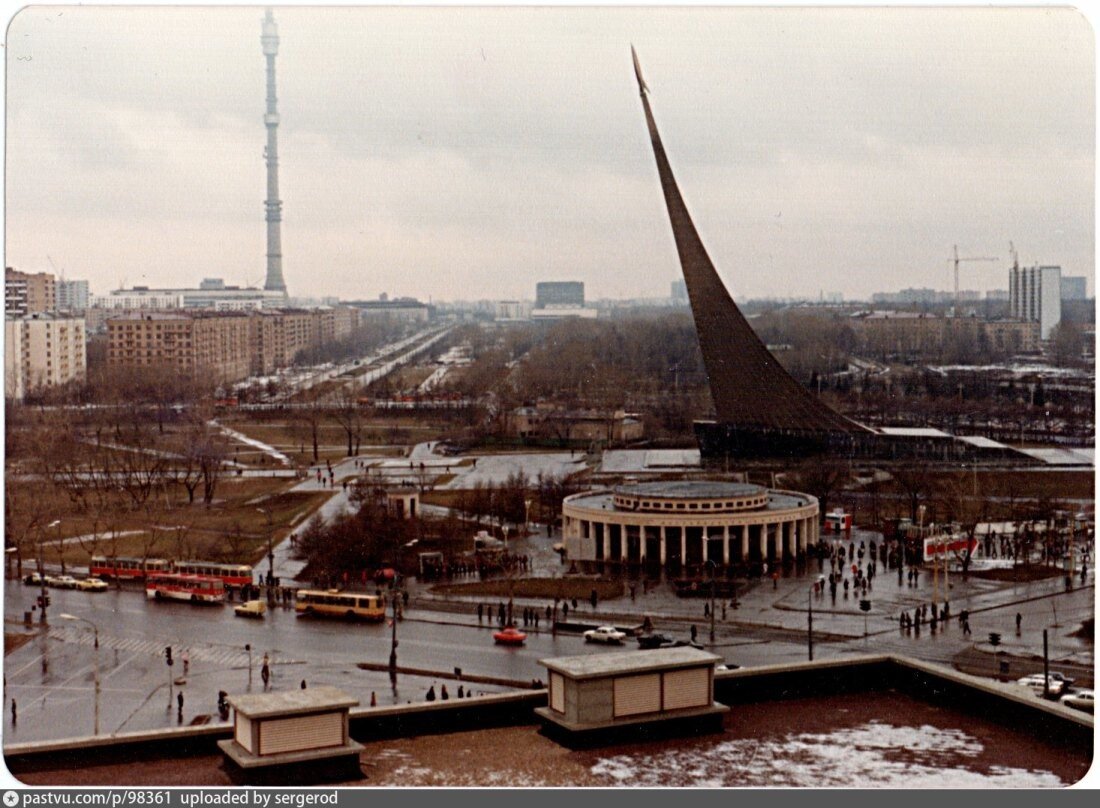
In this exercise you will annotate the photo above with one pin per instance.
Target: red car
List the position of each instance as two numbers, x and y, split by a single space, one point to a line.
510 636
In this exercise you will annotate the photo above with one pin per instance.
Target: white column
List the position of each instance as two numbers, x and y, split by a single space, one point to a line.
744 542
706 543
792 538
725 544
779 548
764 542
641 542
664 547
683 546
606 542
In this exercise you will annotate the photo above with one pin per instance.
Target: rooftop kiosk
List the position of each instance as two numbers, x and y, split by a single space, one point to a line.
301 730
596 693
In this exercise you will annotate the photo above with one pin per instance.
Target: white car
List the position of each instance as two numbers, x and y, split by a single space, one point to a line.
1084 700
1035 683
606 634
63 582
91 585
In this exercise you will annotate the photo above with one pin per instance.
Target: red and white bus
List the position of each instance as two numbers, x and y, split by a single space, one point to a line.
838 521
126 568
192 588
230 574
944 546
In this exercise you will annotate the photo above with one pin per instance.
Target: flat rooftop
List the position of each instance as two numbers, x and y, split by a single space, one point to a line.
690 489
883 739
592 666
605 500
292 702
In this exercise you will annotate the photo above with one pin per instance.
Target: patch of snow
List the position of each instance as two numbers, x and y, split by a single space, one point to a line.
876 754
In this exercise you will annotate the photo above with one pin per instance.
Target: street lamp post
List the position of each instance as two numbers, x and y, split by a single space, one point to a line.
810 623
42 596
270 557
393 639
60 545
95 630
711 565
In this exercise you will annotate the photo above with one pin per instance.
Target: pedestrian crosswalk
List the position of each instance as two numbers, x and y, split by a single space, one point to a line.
207 654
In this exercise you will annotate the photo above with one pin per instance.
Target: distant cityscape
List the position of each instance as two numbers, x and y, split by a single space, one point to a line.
48 320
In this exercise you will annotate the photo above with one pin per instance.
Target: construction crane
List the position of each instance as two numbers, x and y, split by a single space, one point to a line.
957 261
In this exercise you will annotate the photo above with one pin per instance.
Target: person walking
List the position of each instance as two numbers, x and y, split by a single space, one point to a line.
265 671
431 694
1019 621
443 694
179 705
186 661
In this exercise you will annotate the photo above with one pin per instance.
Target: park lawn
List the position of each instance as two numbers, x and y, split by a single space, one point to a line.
233 525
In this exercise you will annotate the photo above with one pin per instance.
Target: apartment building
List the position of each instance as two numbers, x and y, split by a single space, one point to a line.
28 293
42 350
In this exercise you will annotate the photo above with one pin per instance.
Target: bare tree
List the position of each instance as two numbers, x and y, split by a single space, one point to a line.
309 414
349 415
820 477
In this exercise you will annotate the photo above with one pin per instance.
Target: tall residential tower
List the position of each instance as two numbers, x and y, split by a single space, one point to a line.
273 207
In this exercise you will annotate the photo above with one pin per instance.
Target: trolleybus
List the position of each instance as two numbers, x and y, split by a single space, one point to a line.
127 568
192 588
230 574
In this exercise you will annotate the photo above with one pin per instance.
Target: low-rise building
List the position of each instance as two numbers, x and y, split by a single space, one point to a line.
917 335
403 309
548 422
688 524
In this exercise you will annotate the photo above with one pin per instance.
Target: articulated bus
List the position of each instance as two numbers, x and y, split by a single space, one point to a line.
192 588
102 567
333 603
230 574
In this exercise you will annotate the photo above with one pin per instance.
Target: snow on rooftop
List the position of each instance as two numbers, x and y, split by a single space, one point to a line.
981 442
913 432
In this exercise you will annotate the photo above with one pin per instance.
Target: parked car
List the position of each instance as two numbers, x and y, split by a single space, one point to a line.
606 634
63 582
1084 700
250 608
92 585
1035 683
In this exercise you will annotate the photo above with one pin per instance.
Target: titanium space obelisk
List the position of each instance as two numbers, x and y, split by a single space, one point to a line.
273 207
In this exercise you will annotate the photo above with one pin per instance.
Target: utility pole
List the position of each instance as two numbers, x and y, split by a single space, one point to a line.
393 639
810 623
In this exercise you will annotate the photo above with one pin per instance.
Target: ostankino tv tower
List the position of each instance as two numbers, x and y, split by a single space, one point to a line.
273 207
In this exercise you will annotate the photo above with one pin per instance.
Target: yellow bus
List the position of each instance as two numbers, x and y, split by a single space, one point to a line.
334 603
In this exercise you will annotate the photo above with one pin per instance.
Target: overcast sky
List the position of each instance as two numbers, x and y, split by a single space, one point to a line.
460 153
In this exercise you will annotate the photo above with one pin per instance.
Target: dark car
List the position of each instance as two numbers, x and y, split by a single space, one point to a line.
653 641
